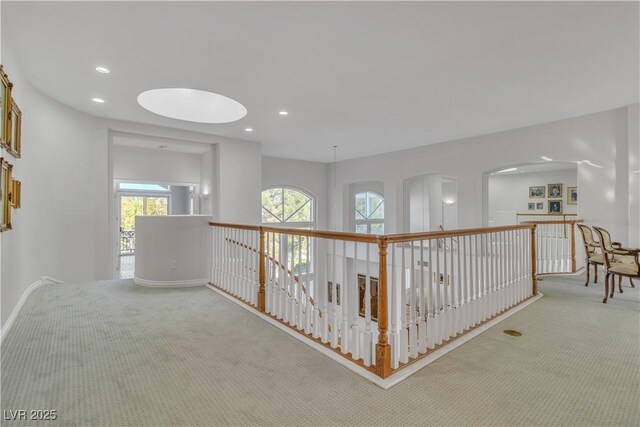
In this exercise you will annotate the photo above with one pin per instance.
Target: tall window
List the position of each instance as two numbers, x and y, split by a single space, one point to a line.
369 212
287 207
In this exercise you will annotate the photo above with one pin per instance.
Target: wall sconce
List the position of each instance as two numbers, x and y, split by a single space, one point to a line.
204 196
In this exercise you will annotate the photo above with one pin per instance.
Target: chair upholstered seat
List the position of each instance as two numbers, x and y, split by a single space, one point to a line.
623 259
624 269
596 259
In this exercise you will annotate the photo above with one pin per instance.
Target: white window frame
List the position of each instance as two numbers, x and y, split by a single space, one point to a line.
368 221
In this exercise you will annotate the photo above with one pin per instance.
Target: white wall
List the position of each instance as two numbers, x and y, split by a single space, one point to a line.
510 192
309 176
151 165
60 230
595 137
633 122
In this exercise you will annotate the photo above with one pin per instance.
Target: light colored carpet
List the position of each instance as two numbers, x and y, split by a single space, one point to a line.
111 353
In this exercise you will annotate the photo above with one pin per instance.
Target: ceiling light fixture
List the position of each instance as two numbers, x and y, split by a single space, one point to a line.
248 129
283 113
545 158
192 105
507 170
103 70
98 100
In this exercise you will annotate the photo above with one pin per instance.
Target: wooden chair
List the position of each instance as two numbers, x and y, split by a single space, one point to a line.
619 261
590 249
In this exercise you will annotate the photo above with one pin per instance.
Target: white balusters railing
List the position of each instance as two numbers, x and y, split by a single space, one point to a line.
379 300
556 244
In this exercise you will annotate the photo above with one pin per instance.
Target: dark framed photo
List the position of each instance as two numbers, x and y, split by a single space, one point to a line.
555 191
6 190
572 195
15 130
555 206
532 206
539 205
537 192
330 292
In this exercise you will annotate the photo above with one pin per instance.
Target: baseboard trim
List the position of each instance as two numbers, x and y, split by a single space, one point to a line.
399 375
44 280
169 283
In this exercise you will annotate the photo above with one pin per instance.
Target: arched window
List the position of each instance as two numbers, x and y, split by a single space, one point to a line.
288 207
369 212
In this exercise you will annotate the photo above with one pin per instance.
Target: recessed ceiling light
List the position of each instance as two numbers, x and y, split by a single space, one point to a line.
103 70
283 113
248 129
98 100
548 159
507 170
192 105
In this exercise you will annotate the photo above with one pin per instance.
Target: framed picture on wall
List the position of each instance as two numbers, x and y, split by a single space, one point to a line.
5 108
6 188
330 292
572 195
373 288
555 191
537 192
532 206
539 205
15 125
555 206
16 193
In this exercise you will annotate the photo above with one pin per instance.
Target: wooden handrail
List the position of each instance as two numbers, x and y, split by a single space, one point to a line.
550 221
545 214
240 226
408 237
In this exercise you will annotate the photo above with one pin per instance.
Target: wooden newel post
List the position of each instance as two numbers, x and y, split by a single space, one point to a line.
534 278
573 247
383 349
262 275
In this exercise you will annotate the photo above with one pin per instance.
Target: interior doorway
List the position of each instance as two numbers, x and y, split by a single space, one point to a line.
146 199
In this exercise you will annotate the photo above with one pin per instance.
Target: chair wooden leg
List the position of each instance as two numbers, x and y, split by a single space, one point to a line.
620 283
612 285
595 269
587 284
631 282
606 288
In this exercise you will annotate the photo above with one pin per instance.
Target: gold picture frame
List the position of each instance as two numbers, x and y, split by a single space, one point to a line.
572 195
537 192
15 130
373 284
5 109
6 190
16 193
554 191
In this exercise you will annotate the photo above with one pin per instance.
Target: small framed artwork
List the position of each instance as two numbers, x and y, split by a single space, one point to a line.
555 206
536 192
16 193
5 108
539 205
330 292
15 132
373 290
555 191
532 206
5 195
572 195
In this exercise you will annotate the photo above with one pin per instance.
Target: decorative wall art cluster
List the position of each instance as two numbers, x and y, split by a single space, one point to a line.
11 143
554 192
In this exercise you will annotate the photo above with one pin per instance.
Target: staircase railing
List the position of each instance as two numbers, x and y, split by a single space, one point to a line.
419 291
556 243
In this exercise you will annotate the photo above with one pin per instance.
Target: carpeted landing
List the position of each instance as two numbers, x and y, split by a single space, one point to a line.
115 354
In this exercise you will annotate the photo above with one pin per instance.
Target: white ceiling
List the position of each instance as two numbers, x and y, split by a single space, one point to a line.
370 77
540 167
155 143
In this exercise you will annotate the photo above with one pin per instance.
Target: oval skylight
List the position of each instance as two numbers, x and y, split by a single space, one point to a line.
192 105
